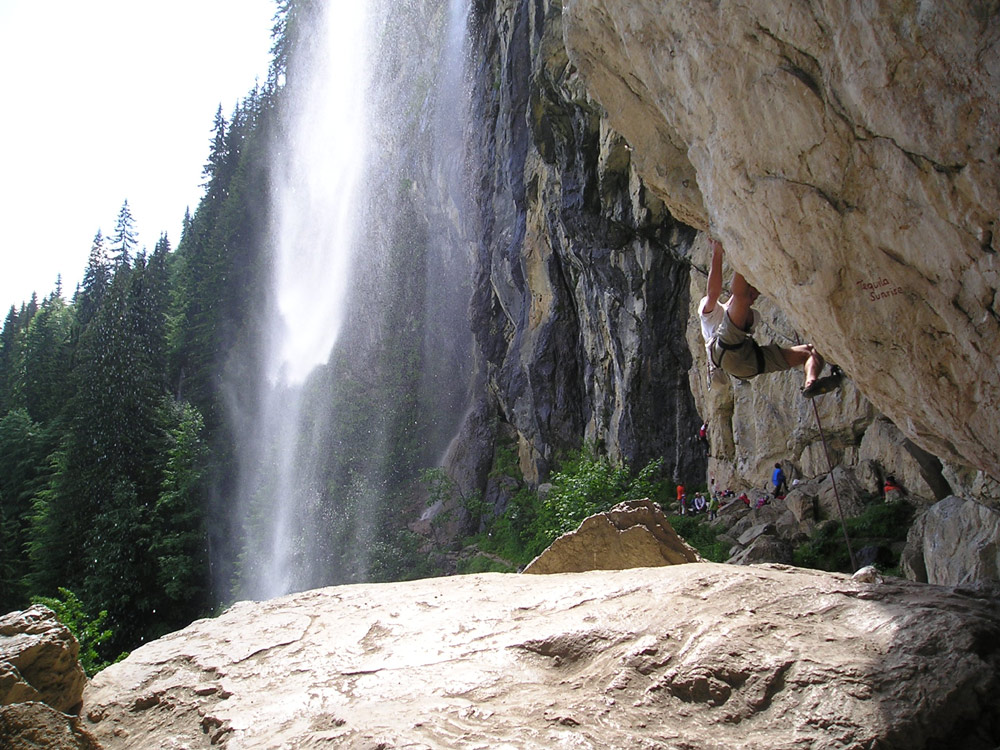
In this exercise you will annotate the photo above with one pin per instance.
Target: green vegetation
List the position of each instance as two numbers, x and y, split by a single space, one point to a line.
699 533
90 633
879 524
118 446
115 459
583 485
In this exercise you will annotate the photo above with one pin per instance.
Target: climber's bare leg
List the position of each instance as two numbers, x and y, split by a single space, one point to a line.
742 300
806 357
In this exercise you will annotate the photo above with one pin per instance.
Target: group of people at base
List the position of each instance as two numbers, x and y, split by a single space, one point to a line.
698 504
714 502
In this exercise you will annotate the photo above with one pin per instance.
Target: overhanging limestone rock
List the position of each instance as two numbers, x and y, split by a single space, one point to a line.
846 155
633 534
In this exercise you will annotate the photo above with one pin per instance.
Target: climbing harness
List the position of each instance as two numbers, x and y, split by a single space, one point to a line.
723 347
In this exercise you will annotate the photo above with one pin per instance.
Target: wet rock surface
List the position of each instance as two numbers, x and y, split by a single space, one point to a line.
694 655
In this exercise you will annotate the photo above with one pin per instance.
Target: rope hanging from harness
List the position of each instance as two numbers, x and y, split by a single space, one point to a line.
833 480
836 494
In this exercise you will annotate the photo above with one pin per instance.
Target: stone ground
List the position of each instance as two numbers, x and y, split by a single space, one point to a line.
695 655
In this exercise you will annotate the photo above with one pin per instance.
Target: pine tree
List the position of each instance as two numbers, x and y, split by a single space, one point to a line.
96 279
22 462
125 238
217 152
179 541
91 528
46 360
11 360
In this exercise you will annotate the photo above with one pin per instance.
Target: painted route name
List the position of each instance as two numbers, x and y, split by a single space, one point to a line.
879 289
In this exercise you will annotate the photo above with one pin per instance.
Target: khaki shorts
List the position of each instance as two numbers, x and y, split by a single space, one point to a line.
735 351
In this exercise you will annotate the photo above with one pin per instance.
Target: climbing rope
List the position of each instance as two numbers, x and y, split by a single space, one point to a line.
836 494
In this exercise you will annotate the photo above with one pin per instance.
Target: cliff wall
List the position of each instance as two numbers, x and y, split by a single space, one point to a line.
586 286
581 289
847 156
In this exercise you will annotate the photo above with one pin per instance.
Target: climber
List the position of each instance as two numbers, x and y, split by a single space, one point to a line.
703 434
727 329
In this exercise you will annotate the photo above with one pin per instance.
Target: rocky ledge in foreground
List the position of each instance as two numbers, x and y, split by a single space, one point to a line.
696 655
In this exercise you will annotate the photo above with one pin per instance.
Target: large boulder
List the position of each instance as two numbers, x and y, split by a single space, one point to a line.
633 534
764 548
37 726
846 155
955 543
691 655
39 660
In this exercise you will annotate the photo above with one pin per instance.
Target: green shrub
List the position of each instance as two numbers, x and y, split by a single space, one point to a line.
589 484
878 523
883 521
516 535
697 532
584 484
89 633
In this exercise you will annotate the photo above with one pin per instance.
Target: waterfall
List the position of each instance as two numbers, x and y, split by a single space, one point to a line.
318 194
362 374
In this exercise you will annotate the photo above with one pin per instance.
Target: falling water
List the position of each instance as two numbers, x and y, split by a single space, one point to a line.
318 194
368 181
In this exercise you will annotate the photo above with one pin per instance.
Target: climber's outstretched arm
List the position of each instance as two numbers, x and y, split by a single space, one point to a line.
714 277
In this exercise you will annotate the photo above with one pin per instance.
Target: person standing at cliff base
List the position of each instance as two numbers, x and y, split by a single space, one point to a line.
778 480
892 489
727 328
713 507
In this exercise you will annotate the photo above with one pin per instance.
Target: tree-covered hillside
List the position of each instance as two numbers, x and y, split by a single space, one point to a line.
121 404
112 439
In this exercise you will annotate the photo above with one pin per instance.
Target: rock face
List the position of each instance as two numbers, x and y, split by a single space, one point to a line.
581 273
633 534
847 156
955 543
580 300
696 655
36 726
38 661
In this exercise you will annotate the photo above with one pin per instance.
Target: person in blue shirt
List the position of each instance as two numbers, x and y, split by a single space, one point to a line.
778 480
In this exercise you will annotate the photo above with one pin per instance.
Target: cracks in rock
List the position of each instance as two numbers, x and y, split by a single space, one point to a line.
811 83
807 68
921 161
839 205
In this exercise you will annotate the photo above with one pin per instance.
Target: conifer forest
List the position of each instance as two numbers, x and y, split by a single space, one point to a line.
117 466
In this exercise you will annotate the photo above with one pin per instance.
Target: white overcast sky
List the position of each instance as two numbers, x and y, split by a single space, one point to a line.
108 100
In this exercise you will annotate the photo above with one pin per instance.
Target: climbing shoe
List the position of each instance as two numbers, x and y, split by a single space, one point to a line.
824 385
